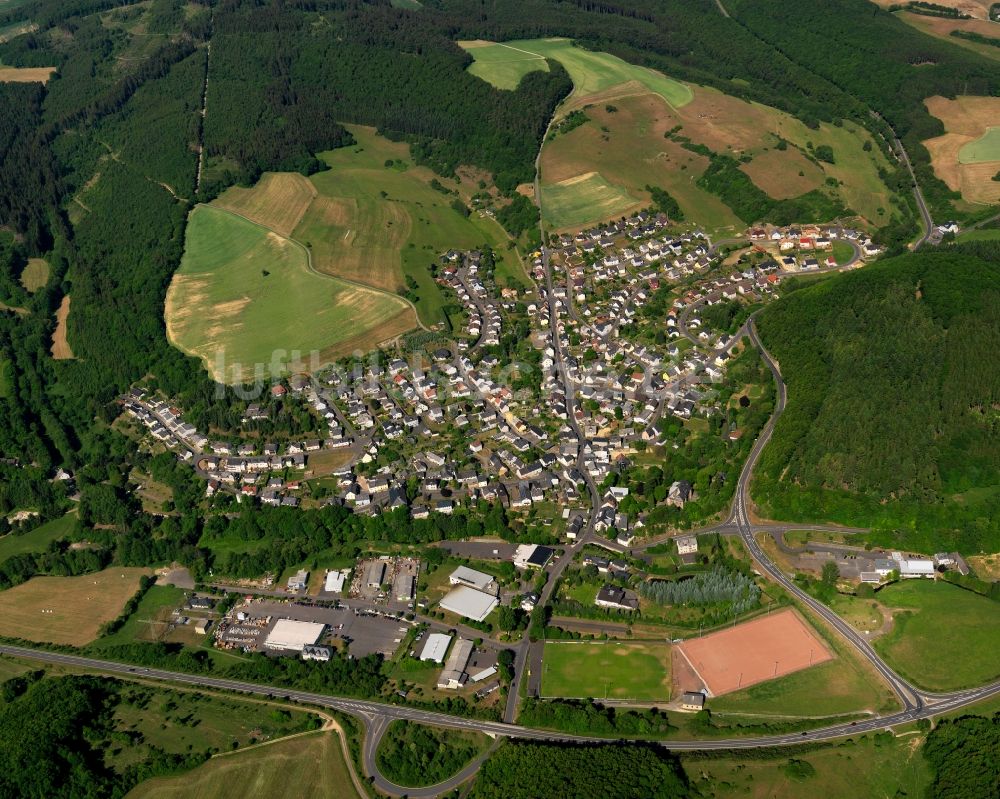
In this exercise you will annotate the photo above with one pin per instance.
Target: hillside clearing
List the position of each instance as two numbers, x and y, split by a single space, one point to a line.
501 65
35 274
61 350
36 540
26 74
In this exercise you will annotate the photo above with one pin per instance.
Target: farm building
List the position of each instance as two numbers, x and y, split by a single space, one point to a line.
469 602
453 675
294 636
435 647
916 568
201 626
470 577
532 556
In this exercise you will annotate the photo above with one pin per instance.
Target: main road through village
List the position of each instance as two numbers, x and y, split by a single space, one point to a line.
376 716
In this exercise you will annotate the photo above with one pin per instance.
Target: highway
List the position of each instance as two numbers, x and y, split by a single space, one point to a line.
378 715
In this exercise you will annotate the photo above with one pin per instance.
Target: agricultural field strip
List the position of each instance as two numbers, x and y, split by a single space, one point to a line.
325 275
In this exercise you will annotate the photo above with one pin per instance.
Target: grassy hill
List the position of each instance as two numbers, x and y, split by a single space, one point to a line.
892 401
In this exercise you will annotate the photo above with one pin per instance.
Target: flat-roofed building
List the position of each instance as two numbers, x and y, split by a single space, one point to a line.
469 603
293 635
916 568
435 647
335 580
402 587
532 556
453 675
692 700
463 575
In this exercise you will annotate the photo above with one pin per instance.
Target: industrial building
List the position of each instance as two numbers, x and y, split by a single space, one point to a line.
294 636
469 602
435 647
403 587
376 574
298 581
335 581
453 675
532 556
320 653
473 579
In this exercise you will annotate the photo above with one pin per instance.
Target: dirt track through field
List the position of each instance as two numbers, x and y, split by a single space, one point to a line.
753 652
60 344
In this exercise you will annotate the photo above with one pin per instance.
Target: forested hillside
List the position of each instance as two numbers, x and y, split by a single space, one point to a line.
892 401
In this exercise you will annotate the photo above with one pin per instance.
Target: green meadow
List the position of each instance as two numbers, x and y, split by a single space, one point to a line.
943 637
590 71
985 148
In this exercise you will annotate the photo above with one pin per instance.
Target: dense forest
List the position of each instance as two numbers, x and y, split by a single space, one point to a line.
964 755
529 770
892 398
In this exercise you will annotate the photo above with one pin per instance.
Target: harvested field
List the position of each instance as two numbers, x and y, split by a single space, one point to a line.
66 610
967 156
35 274
754 652
60 345
246 301
784 174
314 763
278 200
980 9
26 74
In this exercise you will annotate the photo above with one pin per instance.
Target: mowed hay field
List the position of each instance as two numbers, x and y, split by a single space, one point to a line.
638 670
379 224
967 156
313 763
25 74
502 65
945 638
277 201
66 610
624 145
243 292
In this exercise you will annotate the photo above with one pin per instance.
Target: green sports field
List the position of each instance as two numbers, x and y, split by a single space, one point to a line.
638 670
943 638
591 72
245 298
584 200
985 148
